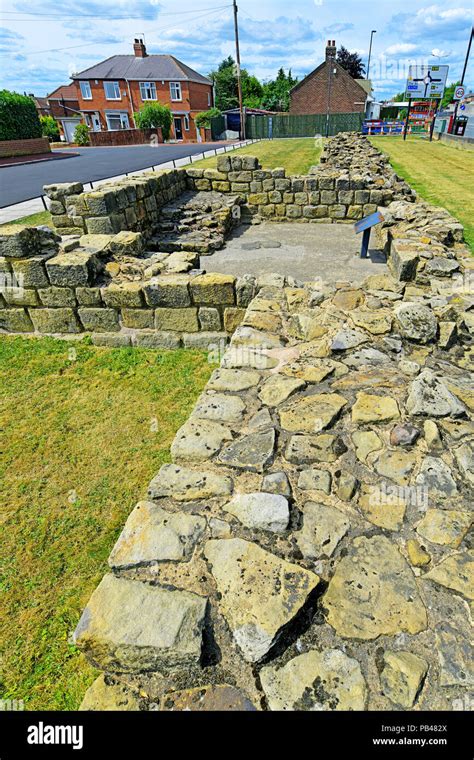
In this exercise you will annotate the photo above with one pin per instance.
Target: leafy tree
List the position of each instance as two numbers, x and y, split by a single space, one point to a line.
153 115
227 91
449 94
49 128
276 93
81 134
19 118
351 62
203 119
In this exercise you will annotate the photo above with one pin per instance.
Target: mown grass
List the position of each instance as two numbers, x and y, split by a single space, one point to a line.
440 173
32 220
84 429
295 155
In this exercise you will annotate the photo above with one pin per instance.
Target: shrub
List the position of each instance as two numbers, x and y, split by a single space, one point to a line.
81 134
203 119
19 118
49 128
153 115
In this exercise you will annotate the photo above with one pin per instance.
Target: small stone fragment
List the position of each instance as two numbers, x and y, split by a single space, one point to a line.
365 442
417 554
428 395
311 414
402 677
446 527
323 528
277 482
370 408
250 452
455 572
208 699
315 480
105 694
417 322
404 435
184 484
263 511
436 476
278 388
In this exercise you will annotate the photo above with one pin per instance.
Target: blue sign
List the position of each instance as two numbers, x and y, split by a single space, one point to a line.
368 222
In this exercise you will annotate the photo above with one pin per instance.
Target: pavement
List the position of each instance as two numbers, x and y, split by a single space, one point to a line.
304 251
21 183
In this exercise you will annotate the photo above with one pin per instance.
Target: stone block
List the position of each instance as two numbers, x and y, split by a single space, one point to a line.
99 320
249 163
268 185
328 197
57 297
56 208
209 318
233 317
180 320
354 212
31 273
19 296
257 199
275 196
213 289
74 269
362 197
55 321
314 197
242 176
15 321
123 295
168 290
204 341
18 241
58 191
140 319
112 340
301 199
203 184
126 243
221 187
88 296
346 197
297 185
310 212
256 186
240 187
223 164
369 208
283 185
143 339
293 212
337 212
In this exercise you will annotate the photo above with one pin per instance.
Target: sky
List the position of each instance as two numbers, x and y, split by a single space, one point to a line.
43 43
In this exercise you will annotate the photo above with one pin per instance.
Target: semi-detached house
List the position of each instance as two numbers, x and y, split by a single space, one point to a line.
111 91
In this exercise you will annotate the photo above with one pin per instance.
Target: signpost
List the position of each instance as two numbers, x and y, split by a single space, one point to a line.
425 82
459 93
365 225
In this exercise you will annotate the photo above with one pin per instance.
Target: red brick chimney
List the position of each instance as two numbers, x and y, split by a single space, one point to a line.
139 48
331 50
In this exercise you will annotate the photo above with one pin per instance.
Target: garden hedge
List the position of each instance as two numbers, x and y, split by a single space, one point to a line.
19 119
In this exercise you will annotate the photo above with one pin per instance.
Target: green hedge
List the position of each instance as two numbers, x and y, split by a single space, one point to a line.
19 118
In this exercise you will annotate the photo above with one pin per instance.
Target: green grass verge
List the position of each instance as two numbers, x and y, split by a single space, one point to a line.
440 173
295 155
33 220
84 429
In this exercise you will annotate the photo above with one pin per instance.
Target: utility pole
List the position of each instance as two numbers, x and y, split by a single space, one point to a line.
239 81
455 115
374 31
330 66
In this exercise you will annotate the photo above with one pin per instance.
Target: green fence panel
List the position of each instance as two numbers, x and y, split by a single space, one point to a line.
304 125
217 126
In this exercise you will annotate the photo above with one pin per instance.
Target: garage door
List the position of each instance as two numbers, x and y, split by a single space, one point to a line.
69 127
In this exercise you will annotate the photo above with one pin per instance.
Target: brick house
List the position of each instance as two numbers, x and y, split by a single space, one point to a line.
111 91
329 84
64 107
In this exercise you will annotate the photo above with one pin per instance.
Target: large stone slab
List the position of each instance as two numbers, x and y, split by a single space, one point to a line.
402 677
305 449
456 572
367 598
430 396
260 593
184 484
198 440
250 452
311 414
151 534
264 511
220 407
323 528
328 680
130 626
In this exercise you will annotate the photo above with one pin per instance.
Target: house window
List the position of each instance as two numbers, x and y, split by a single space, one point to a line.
175 90
117 120
85 90
186 122
208 98
148 90
112 90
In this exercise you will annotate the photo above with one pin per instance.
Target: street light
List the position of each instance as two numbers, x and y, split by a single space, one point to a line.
374 31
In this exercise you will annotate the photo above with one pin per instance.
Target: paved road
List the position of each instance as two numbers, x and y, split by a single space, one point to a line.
19 183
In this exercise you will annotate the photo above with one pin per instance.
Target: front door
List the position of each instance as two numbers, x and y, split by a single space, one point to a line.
178 129
96 122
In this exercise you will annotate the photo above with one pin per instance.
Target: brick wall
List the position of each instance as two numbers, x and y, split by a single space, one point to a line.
126 137
24 147
311 95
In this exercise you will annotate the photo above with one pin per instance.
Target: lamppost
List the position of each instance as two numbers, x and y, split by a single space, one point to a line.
374 31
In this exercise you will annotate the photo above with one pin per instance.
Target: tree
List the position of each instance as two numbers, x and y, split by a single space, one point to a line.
351 62
449 94
203 120
49 128
81 134
226 85
276 93
153 115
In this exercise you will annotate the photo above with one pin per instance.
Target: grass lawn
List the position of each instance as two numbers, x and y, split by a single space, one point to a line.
84 429
33 220
295 155
440 173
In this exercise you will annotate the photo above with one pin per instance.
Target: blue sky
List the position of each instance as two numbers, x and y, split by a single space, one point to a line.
42 43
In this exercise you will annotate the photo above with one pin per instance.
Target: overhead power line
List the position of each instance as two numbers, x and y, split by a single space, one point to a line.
78 16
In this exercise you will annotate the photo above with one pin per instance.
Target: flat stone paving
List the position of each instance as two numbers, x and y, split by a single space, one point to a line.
303 251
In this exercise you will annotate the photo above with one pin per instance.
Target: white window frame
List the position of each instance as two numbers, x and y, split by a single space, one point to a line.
176 88
209 99
124 120
87 85
186 122
116 89
151 86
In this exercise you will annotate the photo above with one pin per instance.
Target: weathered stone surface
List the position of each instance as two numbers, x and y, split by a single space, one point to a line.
250 452
182 320
15 320
168 290
311 414
276 482
417 322
465 459
402 677
125 294
75 269
278 388
219 407
455 572
199 440
260 593
396 465
152 339
305 449
347 338
346 485
376 322
382 505
184 484
366 442
55 321
220 698
328 680
151 534
233 380
436 476
367 598
417 554
264 511
213 288
99 320
323 528
129 626
429 396
105 694
370 408
445 526
314 479
57 297
456 656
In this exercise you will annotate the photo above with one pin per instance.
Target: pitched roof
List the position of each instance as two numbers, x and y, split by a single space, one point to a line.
66 91
151 67
339 67
366 85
